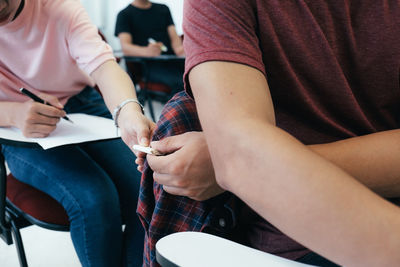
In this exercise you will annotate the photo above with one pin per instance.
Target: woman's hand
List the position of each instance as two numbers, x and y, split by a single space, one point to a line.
37 120
135 127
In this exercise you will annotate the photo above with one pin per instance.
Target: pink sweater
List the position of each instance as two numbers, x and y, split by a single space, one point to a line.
51 47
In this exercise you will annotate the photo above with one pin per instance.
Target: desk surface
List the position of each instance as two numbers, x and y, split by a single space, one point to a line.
193 249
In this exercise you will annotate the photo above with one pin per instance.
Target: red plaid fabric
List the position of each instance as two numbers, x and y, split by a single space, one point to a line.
162 213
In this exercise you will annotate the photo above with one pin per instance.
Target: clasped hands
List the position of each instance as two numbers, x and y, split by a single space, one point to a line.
186 169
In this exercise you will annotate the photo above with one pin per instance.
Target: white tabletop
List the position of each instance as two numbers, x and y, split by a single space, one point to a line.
193 249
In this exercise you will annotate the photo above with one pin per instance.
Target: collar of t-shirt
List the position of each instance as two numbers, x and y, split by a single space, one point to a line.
21 6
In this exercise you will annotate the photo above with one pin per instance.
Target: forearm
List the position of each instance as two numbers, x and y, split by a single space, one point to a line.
133 50
114 84
176 41
178 49
373 159
8 111
308 198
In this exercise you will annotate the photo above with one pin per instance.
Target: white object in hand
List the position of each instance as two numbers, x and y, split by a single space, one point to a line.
152 41
147 150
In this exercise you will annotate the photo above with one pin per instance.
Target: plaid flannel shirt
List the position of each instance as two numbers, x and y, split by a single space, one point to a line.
162 213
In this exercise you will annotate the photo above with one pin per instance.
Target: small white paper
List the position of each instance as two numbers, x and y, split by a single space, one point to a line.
144 149
84 129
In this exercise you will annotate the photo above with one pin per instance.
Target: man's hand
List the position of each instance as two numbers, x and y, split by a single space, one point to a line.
153 49
38 120
186 170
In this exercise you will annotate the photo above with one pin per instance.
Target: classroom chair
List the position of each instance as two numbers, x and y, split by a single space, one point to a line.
21 205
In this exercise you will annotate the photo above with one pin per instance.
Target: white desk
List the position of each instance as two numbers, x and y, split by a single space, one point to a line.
193 249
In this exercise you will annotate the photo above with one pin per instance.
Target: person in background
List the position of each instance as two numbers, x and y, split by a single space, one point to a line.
298 107
52 49
146 29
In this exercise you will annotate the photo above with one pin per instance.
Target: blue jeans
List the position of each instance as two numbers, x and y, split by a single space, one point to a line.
97 184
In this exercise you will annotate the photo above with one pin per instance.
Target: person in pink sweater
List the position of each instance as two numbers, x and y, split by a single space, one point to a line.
51 48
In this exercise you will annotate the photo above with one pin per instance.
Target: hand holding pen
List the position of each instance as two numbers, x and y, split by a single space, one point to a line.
38 118
38 99
162 46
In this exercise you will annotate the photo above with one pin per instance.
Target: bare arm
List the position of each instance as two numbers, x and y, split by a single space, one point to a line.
116 86
372 159
176 41
130 49
284 180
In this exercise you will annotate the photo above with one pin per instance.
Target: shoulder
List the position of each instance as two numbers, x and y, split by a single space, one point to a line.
61 12
160 7
243 5
221 10
126 11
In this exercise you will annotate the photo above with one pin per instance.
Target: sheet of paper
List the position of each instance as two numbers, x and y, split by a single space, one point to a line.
85 128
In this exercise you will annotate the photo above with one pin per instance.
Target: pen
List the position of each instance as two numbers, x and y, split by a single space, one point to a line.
152 41
38 99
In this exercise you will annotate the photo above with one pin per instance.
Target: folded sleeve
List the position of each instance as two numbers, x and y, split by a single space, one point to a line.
221 30
168 18
122 24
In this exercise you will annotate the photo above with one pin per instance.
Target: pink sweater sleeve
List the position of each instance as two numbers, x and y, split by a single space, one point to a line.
84 43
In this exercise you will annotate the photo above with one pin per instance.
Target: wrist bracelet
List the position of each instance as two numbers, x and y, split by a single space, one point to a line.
117 110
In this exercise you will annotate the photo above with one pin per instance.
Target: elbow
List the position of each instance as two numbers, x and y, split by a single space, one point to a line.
226 174
223 182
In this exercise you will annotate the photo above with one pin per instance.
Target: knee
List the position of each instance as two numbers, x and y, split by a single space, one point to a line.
95 206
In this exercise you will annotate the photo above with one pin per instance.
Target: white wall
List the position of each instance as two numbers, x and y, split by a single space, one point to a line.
104 13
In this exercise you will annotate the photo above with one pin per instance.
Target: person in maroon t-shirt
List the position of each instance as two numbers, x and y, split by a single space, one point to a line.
300 106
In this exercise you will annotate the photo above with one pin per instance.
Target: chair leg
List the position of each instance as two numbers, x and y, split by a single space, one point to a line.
19 245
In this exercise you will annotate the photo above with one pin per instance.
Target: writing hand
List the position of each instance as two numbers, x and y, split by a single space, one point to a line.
153 49
187 169
37 120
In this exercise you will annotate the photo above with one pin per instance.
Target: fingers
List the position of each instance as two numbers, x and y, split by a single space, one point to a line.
140 162
156 45
40 119
48 111
38 130
161 164
168 145
170 180
145 132
178 191
52 100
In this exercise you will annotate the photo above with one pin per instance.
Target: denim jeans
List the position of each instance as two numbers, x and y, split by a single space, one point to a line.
97 184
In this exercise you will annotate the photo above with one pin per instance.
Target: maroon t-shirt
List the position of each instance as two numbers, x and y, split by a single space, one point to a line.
332 68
